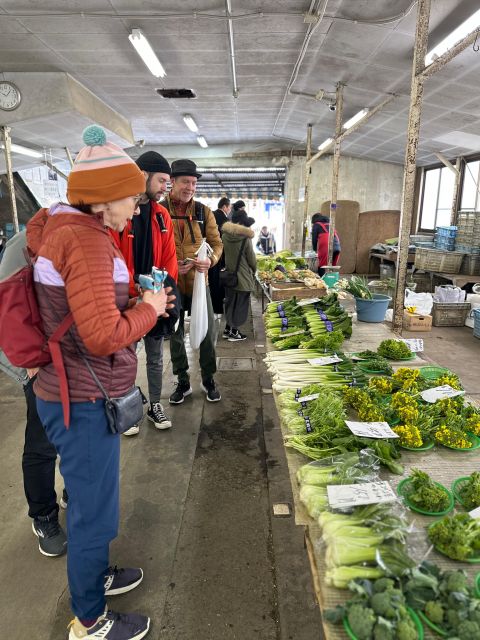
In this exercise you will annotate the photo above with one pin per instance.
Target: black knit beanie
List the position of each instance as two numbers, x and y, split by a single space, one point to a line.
153 162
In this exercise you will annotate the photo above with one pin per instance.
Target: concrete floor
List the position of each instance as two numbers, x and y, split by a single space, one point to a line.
196 514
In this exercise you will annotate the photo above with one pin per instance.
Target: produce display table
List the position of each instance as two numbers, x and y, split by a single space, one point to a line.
390 257
444 465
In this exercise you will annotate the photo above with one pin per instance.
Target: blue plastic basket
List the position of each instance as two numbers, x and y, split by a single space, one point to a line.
447 232
476 323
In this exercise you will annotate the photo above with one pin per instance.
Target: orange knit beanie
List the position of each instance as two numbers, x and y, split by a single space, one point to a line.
102 172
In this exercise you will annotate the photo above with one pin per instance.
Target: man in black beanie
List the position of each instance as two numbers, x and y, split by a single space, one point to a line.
148 241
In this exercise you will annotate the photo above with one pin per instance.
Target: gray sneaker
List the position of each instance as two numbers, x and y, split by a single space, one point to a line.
52 541
119 581
112 626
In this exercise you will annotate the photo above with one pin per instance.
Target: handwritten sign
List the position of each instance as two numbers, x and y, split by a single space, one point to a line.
325 360
341 496
475 513
415 344
440 393
371 429
313 396
303 303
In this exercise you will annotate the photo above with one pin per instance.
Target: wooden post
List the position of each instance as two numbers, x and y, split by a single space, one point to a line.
11 184
308 171
69 156
335 170
456 192
414 118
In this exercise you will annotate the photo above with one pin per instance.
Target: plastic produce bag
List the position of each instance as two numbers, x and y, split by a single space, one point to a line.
422 301
449 294
199 313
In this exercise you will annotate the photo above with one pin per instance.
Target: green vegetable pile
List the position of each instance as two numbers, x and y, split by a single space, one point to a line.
378 611
469 491
457 536
424 493
446 599
394 349
358 287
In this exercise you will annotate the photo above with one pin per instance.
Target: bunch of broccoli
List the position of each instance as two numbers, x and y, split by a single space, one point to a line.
378 611
446 598
457 536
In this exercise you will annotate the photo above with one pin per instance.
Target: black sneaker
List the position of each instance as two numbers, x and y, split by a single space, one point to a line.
52 541
226 333
156 415
236 336
182 389
64 499
210 388
112 626
119 581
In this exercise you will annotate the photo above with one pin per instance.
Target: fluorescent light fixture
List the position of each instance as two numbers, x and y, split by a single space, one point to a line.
455 36
146 53
356 118
25 151
190 122
202 142
326 143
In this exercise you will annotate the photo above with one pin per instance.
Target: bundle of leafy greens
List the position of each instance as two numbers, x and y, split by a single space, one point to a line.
394 349
446 599
469 491
358 287
378 611
424 493
456 536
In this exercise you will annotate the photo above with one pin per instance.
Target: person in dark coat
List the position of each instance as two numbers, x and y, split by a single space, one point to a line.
237 237
217 291
266 242
320 231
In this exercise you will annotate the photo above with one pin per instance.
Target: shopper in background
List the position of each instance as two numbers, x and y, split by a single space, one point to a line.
320 231
78 270
266 242
192 222
237 242
148 241
217 291
239 205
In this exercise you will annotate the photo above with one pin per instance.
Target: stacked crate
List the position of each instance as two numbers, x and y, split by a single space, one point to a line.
445 238
468 241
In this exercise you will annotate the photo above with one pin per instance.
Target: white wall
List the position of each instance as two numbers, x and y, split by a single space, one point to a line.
375 185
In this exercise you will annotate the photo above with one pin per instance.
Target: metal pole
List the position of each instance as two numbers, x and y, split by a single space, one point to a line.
335 170
414 117
69 156
445 58
456 191
308 171
11 185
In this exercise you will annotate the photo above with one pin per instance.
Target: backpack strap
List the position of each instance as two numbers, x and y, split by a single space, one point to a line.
200 217
57 359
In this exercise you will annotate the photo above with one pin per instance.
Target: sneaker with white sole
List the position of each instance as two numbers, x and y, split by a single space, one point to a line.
210 388
226 333
133 431
182 390
156 415
112 626
236 336
64 499
119 581
52 541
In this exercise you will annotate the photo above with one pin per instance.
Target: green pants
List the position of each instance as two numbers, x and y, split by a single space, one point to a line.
178 353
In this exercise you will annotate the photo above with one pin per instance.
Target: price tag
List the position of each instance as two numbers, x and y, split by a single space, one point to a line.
303 303
371 429
440 393
325 360
353 495
415 344
293 333
314 396
475 513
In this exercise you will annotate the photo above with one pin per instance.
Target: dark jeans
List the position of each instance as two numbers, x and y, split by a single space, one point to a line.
38 462
178 353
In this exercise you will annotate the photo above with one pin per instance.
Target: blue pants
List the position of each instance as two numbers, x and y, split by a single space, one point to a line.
89 463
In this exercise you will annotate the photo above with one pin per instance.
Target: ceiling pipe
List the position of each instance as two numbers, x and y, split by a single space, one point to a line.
231 46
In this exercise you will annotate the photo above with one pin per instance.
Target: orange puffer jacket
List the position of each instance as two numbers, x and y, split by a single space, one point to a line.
78 269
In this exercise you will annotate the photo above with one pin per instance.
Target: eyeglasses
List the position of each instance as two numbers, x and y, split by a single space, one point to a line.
138 199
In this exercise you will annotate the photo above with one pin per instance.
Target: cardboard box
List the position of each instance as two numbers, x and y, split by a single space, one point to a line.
287 290
416 322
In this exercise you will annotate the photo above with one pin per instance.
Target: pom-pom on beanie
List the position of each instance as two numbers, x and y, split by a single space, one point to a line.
102 172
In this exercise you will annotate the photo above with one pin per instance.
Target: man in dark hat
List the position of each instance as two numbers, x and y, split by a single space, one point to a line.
146 242
192 222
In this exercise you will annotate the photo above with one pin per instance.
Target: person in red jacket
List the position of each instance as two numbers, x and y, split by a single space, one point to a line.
148 241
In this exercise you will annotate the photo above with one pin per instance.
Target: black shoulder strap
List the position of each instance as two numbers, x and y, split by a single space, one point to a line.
240 254
200 217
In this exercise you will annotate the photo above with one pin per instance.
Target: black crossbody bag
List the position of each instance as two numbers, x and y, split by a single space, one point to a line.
229 279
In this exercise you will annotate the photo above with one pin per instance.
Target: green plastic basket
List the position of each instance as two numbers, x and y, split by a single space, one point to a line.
456 489
430 624
432 373
473 439
412 614
424 447
401 490
442 552
477 585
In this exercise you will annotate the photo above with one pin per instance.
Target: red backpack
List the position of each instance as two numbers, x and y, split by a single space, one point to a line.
22 337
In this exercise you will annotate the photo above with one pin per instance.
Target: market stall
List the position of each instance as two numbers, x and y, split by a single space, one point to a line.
336 370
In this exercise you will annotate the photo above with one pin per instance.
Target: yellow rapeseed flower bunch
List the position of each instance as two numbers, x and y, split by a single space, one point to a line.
450 379
408 414
402 399
381 384
473 424
452 438
409 436
407 378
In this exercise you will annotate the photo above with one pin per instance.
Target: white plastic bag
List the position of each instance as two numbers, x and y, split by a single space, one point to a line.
422 301
447 293
199 313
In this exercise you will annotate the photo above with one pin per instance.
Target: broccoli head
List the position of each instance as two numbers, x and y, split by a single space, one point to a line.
361 620
384 630
383 584
453 618
468 630
383 605
455 581
434 611
406 630
474 614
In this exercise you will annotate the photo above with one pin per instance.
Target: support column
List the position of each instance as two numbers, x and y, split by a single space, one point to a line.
308 172
414 118
11 185
456 191
336 168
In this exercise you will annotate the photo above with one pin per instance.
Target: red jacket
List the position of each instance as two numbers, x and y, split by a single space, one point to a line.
164 252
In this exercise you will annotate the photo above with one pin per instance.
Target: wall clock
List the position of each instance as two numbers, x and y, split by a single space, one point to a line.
10 96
